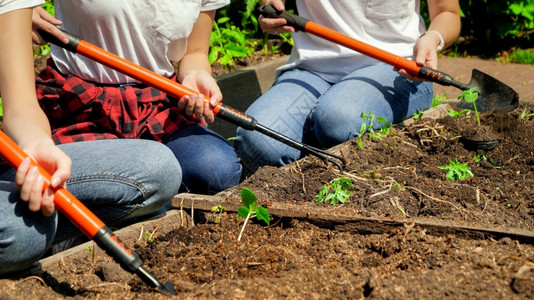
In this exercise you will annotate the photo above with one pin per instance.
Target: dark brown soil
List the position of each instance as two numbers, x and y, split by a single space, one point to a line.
406 232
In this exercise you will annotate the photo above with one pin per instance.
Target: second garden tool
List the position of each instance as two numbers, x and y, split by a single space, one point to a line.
175 89
492 93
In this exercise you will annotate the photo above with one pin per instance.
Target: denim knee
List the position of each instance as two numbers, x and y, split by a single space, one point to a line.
24 235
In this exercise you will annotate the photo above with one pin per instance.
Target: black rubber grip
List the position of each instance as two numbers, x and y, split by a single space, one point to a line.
297 22
236 117
72 46
115 248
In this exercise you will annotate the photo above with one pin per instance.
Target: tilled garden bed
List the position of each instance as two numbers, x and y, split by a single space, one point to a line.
404 232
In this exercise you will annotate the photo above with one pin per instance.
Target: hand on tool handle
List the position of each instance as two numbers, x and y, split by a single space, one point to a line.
41 19
32 184
275 25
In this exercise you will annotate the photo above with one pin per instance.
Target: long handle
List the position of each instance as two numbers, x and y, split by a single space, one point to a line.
399 62
175 89
81 216
171 87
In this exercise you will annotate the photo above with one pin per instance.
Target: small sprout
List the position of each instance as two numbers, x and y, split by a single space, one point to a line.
523 113
470 96
216 213
456 114
457 170
335 192
363 129
385 129
479 157
402 211
90 249
418 115
438 100
148 237
251 209
398 187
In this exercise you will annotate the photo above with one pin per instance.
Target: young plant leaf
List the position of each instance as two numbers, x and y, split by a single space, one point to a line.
249 199
263 214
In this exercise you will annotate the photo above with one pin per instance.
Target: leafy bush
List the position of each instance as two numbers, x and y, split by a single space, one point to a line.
492 26
227 44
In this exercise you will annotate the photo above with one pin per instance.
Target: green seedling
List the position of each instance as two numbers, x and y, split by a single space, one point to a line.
457 170
90 249
385 129
1 110
456 114
438 100
418 115
479 157
148 237
216 213
470 96
523 114
251 209
335 192
398 187
363 129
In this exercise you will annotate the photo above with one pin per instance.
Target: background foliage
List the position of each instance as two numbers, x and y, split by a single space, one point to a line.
488 26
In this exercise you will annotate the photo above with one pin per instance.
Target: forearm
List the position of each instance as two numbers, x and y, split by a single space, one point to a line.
193 63
23 118
198 44
445 19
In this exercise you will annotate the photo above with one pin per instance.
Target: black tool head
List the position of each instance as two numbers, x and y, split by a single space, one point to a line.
165 288
492 93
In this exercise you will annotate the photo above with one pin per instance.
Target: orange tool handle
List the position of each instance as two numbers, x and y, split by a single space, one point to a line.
64 201
146 76
399 62
75 210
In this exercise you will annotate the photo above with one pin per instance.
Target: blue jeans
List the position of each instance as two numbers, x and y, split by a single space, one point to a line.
120 181
209 163
308 109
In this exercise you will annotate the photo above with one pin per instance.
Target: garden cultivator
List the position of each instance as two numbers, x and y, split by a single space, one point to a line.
175 89
86 221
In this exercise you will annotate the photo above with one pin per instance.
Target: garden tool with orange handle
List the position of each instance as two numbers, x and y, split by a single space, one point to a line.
85 220
175 89
492 93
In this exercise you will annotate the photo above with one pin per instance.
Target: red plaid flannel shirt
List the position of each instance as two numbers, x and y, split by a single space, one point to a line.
83 111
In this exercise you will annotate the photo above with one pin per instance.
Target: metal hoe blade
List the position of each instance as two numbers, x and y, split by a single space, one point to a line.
492 93
166 288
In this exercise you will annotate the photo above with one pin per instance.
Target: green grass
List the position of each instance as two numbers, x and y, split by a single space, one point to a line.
522 56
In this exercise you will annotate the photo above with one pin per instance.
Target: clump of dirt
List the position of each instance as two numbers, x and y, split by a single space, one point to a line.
405 231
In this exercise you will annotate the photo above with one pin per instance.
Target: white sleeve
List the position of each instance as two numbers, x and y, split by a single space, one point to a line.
10 5
212 4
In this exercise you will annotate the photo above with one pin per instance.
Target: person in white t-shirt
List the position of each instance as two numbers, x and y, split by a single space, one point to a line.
86 101
320 94
121 181
25 227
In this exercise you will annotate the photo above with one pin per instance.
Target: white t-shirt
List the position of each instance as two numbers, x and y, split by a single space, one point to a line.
391 25
10 5
148 33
